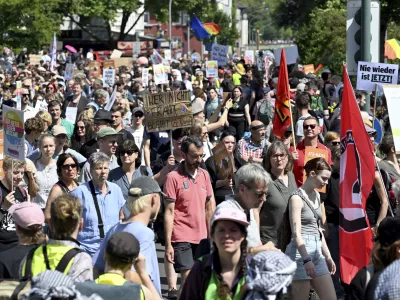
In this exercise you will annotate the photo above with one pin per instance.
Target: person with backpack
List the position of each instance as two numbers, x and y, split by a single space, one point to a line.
307 246
221 274
61 252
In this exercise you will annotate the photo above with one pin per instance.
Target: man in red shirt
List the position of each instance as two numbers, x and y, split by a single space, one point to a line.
189 207
311 131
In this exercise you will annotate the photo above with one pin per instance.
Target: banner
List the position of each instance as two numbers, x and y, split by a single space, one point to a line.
158 71
69 70
14 141
108 77
370 74
357 173
282 117
122 61
311 153
392 94
145 77
169 110
109 64
219 53
223 160
211 69
309 69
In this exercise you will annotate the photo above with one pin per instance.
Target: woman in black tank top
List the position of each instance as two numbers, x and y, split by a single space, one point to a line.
67 170
239 114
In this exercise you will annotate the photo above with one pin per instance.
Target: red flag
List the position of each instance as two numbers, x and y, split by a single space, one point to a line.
282 117
357 173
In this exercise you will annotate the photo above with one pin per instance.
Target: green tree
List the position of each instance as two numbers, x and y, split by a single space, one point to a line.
323 38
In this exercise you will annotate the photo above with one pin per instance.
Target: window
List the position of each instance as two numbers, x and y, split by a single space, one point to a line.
146 17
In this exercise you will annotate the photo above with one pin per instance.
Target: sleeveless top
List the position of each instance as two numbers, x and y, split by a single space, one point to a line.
238 107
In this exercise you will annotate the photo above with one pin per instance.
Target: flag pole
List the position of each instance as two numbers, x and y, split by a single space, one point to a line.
291 124
386 193
376 98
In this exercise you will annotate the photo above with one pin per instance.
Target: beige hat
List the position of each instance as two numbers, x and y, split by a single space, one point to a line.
198 106
57 130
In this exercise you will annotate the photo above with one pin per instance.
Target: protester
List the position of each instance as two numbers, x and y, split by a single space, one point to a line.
33 129
253 148
239 114
222 273
142 138
77 99
82 133
54 108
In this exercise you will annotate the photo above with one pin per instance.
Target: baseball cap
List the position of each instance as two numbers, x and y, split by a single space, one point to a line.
26 214
103 115
124 246
137 109
197 105
229 214
176 84
57 130
388 231
142 186
106 131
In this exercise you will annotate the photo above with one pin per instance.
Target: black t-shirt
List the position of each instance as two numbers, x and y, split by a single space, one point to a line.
332 199
89 148
10 261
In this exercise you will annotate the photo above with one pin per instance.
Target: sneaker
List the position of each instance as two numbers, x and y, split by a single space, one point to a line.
172 294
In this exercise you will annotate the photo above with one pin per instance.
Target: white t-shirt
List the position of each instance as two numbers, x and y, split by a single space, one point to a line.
138 135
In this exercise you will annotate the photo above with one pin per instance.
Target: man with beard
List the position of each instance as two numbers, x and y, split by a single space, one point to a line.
144 204
108 141
189 207
253 148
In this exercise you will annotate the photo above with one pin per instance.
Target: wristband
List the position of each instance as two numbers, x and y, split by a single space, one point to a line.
308 259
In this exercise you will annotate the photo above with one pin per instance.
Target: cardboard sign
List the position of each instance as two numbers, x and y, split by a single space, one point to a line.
34 59
219 53
309 69
169 110
249 56
116 54
94 69
392 94
108 77
158 71
223 160
211 69
109 64
122 61
370 74
69 70
145 77
311 153
14 141
167 54
292 53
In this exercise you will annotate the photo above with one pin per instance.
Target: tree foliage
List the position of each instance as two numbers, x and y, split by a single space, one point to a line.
323 38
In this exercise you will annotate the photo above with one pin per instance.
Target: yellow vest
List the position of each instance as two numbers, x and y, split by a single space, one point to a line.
114 279
54 252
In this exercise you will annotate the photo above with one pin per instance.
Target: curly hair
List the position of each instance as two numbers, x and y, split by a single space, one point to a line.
34 125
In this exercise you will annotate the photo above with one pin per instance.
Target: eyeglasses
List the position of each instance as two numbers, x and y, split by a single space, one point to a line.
113 142
122 153
67 166
281 156
204 133
194 156
335 143
312 126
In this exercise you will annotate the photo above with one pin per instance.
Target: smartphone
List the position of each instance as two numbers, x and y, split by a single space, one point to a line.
19 196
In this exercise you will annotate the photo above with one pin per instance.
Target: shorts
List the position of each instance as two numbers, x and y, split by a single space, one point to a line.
313 246
184 254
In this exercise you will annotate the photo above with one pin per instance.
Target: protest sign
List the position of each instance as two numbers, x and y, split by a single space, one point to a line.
41 106
392 94
136 50
145 77
34 59
195 56
249 56
211 69
69 70
14 141
260 55
311 153
108 77
116 54
156 58
219 53
169 110
309 69
70 114
370 74
223 161
167 54
292 53
94 69
109 64
1 154
158 73
122 61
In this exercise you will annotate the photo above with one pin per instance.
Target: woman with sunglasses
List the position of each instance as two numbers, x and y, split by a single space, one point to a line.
331 139
67 170
82 133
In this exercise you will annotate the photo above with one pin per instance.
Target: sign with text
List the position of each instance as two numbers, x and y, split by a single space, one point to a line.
311 153
392 94
109 64
69 70
145 77
309 69
220 54
211 69
108 77
158 71
249 56
167 54
223 161
14 141
169 110
94 69
370 74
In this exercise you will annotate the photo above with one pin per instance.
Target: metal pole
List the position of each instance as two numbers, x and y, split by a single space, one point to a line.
258 38
170 24
188 40
366 40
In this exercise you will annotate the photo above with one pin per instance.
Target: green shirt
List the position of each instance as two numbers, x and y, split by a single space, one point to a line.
69 127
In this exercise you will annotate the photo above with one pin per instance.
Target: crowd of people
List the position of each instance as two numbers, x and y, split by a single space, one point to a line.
97 191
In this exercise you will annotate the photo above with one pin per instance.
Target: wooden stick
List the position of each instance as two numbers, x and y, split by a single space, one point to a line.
12 168
172 145
291 124
376 98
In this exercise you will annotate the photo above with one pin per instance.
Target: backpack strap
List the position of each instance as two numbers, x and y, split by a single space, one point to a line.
205 275
46 257
66 259
96 205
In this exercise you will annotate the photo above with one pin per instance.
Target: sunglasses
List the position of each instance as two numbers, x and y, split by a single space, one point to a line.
122 153
113 142
67 166
335 143
81 127
312 126
138 115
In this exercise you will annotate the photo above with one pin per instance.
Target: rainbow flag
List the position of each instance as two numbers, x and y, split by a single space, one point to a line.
212 28
203 31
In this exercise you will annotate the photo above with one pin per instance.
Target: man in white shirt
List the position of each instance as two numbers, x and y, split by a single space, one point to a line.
45 58
90 55
142 139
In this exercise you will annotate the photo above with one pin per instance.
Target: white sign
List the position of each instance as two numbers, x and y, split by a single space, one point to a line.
40 106
108 77
392 94
292 53
211 69
219 53
70 114
249 54
370 74
145 77
167 54
14 141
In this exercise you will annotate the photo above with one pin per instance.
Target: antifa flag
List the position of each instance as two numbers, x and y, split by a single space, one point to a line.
282 118
357 173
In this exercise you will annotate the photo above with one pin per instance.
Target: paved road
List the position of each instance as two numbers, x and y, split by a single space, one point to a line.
164 284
